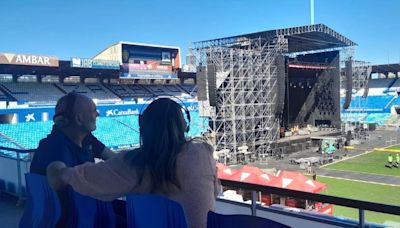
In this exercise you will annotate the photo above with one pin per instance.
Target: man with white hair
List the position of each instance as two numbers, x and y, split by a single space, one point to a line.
71 140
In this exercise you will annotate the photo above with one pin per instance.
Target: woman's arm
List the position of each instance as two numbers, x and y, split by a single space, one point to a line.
105 180
57 173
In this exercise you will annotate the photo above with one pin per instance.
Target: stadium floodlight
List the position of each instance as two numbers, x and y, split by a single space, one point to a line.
311 12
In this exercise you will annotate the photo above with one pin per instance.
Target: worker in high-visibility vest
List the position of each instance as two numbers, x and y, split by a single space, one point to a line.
390 160
396 164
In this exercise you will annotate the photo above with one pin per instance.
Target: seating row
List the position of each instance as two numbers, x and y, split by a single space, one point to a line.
114 132
49 92
44 210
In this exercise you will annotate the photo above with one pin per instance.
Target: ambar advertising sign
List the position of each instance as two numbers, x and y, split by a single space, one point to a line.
94 63
30 60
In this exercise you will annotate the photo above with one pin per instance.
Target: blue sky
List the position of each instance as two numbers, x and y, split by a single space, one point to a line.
80 28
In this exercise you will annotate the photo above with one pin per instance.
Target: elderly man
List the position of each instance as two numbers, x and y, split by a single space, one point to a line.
71 140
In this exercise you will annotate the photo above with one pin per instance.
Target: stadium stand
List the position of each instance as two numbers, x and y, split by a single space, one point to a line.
379 86
50 93
114 132
379 118
395 83
4 96
94 91
145 91
129 91
377 102
110 131
27 134
164 89
174 89
118 131
198 125
190 89
139 91
353 117
33 92
376 108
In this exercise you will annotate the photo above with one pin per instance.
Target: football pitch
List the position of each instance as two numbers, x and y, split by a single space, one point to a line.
373 162
362 191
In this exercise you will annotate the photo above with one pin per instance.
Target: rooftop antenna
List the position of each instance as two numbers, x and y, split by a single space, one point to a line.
312 12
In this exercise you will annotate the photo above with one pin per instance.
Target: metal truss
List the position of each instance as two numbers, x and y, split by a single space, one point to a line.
246 89
357 110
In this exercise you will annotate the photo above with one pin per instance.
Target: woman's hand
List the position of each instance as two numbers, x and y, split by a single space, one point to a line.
57 174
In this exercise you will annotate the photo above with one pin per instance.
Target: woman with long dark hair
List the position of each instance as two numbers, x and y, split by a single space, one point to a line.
165 163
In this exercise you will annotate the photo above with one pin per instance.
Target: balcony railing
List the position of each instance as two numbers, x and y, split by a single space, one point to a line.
360 205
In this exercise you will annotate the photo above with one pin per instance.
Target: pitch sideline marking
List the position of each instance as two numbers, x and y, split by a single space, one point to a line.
368 182
353 171
344 159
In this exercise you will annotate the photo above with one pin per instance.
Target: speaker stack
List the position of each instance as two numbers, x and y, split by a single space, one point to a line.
349 83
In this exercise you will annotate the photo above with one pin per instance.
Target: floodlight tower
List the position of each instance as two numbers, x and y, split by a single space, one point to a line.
311 12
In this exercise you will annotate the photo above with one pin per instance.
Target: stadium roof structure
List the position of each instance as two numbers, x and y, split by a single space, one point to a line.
300 39
64 70
137 44
386 68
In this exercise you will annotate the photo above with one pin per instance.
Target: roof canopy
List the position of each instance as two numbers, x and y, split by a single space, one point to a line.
300 39
386 68
296 181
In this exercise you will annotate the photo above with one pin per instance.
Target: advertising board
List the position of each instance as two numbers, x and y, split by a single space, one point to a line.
30 60
155 62
94 63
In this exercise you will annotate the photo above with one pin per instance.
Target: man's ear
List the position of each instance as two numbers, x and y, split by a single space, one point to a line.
78 119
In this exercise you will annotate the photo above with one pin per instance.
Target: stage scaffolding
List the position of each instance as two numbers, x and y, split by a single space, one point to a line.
357 113
243 118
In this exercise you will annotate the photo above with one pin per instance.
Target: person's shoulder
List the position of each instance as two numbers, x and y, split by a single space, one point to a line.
197 154
198 144
197 147
51 144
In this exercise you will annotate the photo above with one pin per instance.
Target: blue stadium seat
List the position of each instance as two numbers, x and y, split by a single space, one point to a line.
148 211
372 103
379 118
190 89
33 92
114 132
215 220
43 208
85 212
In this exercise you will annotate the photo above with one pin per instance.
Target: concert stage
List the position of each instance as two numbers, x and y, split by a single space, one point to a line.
298 143
253 85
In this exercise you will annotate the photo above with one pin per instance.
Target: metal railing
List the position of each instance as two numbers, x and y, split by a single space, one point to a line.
362 206
18 160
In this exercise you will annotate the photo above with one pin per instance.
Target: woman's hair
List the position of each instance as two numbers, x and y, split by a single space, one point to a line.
162 135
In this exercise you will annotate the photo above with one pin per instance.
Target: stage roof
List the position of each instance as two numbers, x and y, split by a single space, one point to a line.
386 68
300 39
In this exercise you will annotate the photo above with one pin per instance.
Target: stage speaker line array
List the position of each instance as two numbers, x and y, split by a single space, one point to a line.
212 84
349 83
366 89
280 101
201 83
